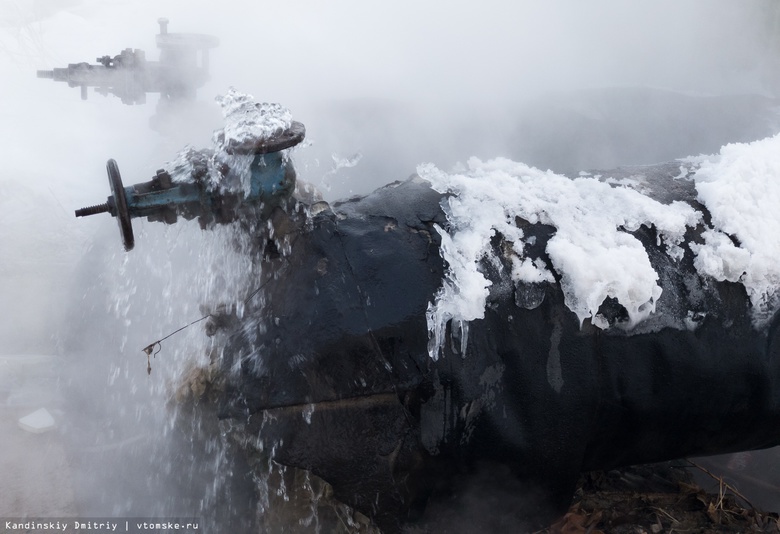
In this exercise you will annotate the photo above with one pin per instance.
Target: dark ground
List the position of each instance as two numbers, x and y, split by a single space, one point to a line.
664 497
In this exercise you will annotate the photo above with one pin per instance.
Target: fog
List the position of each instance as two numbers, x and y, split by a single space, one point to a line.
381 88
425 81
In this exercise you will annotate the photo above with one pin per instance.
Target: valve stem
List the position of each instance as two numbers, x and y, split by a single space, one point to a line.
93 210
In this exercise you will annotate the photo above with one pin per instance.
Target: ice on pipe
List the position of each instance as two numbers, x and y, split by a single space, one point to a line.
740 186
245 121
37 422
591 250
191 162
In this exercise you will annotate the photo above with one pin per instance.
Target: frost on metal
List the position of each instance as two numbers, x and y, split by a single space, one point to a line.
741 188
246 121
592 250
192 164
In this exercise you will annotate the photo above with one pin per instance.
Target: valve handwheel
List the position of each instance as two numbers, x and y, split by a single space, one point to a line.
116 205
120 205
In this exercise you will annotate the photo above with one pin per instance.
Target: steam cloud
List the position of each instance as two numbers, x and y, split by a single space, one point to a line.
565 85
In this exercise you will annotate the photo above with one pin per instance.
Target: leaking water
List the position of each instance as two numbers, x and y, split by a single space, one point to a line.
143 444
153 447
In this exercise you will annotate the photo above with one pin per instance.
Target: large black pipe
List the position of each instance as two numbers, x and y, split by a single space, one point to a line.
342 329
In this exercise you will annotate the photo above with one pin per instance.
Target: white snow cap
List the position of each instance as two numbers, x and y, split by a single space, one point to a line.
592 250
741 188
594 257
246 119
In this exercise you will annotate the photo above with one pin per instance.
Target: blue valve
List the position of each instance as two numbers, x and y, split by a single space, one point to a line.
271 182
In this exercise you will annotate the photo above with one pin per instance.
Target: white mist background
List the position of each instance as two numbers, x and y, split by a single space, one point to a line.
398 83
